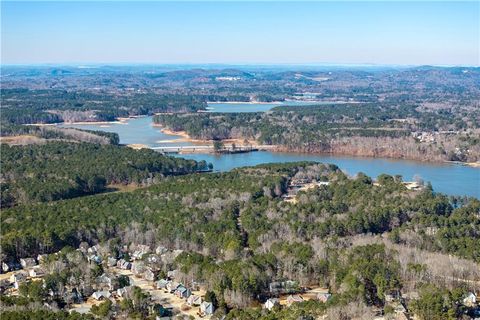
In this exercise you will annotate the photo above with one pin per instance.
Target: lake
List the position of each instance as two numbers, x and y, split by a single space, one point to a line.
449 178
232 107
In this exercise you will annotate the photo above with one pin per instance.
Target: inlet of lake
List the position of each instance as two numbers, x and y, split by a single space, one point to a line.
448 178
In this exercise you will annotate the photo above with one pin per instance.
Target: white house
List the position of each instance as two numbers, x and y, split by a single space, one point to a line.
270 303
206 308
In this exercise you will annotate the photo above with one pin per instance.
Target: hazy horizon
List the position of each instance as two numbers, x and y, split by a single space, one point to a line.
234 33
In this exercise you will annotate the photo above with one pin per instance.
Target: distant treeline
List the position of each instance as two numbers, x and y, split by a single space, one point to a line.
21 106
61 170
57 133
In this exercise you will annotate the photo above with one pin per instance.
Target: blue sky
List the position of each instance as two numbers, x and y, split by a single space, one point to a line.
440 33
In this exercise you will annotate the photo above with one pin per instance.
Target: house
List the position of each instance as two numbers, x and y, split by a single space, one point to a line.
124 265
271 303
140 251
122 292
172 274
18 278
393 296
470 300
107 282
4 285
194 300
282 287
183 292
10 266
111 262
101 295
161 250
294 299
323 297
153 259
138 268
28 262
172 286
150 274
206 308
94 258
74 296
36 272
162 283
93 249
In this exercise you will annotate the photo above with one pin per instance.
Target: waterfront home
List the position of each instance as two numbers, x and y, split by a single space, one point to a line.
28 262
183 292
323 297
271 303
101 295
162 283
206 308
294 299
194 300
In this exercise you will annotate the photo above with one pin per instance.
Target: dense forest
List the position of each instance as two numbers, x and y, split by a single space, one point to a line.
60 170
361 239
398 131
26 106
41 134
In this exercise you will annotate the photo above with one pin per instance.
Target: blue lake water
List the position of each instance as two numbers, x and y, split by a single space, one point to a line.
231 107
449 178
